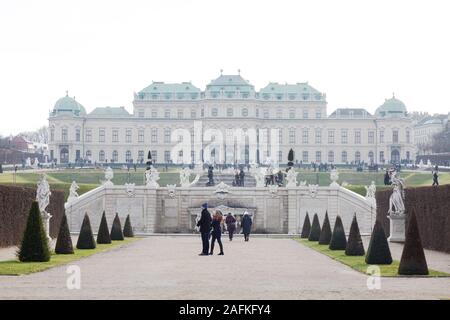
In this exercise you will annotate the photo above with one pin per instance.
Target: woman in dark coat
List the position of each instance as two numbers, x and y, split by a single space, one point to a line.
246 225
230 221
216 232
205 227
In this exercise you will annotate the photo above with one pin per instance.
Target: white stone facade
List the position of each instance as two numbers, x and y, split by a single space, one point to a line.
299 111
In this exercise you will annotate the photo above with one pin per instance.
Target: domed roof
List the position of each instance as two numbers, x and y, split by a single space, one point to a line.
68 105
391 108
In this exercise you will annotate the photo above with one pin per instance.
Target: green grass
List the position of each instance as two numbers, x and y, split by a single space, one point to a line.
357 263
16 268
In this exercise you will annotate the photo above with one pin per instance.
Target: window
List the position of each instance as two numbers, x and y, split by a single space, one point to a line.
203 112
115 136
382 156
291 113
371 157
88 154
167 113
257 112
128 156
77 135
407 155
141 135
154 113
305 136
141 113
318 156
381 136
371 137
395 136
88 135
357 156
214 112
128 136
166 135
344 156
318 136
331 136
101 135
229 112
344 136
279 113
180 114
408 137
357 136
141 156
291 135
305 156
193 114
52 134
330 156
245 112
280 136
280 156
154 135
101 156
166 156
318 114
115 156
305 114
266 113
64 134
154 156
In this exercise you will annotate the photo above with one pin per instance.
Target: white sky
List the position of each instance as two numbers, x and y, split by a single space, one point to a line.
357 52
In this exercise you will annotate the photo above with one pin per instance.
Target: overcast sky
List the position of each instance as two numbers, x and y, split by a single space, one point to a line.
357 52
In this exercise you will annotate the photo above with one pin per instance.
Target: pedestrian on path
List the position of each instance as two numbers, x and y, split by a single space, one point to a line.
230 221
216 232
246 225
435 178
205 227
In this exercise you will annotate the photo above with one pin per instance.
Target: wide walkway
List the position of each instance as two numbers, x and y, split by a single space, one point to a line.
169 268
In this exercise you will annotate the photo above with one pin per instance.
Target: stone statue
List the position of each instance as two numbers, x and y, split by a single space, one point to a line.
273 190
313 190
370 190
109 175
152 177
429 165
185 174
171 190
291 178
222 190
396 203
259 177
303 183
421 165
334 176
73 194
130 189
43 198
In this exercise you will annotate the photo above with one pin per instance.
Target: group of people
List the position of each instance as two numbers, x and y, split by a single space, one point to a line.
211 228
274 177
239 176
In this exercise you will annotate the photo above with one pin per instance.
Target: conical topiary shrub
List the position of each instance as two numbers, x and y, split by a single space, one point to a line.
34 246
64 240
413 260
306 229
116 230
338 239
127 229
355 246
325 233
314 235
378 251
86 238
103 236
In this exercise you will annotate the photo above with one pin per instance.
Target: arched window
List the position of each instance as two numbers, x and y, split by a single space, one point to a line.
101 156
88 155
371 158
357 156
128 156
344 156
64 155
330 156
115 156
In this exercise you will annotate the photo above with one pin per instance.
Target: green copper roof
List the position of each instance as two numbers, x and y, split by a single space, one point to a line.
229 80
109 112
391 108
68 105
298 91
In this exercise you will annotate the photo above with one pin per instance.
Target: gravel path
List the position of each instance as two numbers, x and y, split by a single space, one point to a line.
169 268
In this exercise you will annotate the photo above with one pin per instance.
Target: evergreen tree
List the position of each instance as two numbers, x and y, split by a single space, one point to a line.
338 239
413 260
291 158
64 241
116 230
314 235
34 246
355 246
128 229
103 236
86 238
325 233
306 227
378 251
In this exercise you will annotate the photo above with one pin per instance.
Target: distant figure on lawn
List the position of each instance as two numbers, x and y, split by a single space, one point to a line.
435 178
246 225
230 221
205 227
216 232
387 178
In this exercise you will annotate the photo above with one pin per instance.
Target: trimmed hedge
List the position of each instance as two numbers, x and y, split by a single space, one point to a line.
314 234
64 241
15 203
338 239
378 251
103 236
86 238
432 207
128 229
325 233
355 246
306 229
116 230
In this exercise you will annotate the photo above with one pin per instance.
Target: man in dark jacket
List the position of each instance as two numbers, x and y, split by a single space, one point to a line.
205 227
246 225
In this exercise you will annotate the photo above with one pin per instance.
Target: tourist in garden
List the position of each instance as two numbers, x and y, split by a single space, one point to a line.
241 177
205 227
387 178
246 225
216 232
435 178
230 221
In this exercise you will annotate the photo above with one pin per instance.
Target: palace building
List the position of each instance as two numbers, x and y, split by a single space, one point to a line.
298 111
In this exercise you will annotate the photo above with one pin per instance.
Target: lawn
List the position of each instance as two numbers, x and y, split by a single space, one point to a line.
15 267
357 262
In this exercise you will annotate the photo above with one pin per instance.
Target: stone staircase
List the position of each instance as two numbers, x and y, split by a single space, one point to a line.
249 181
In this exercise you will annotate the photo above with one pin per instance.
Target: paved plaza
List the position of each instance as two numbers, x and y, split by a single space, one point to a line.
166 267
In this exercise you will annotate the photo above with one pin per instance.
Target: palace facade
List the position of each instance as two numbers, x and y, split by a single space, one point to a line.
298 111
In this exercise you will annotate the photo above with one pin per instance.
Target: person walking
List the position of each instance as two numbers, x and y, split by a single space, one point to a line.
435 178
246 225
216 232
387 178
230 221
241 177
205 227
